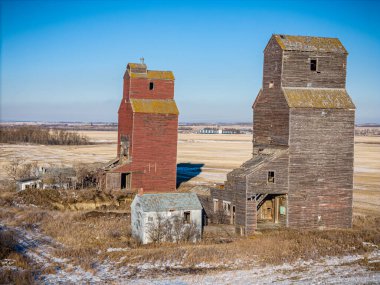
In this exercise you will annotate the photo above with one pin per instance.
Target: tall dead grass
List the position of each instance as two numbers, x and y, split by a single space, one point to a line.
14 267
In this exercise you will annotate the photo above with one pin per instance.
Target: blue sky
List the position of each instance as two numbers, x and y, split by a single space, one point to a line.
64 60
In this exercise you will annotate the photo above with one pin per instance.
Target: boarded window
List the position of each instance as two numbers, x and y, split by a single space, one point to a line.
270 176
125 181
227 208
216 205
313 65
151 85
186 217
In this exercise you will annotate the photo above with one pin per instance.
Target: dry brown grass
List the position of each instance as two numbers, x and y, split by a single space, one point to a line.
14 267
86 199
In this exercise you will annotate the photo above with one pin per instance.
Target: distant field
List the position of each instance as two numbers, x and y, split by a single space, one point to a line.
218 153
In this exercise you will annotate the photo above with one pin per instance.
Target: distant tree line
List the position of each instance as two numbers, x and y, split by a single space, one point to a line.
39 135
367 131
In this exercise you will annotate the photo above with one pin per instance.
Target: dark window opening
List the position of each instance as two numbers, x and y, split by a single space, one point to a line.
186 217
125 181
313 65
151 85
271 176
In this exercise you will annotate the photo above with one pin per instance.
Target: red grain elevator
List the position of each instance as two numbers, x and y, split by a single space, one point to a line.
147 133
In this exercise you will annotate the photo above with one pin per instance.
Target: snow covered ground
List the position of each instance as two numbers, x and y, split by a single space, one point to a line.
328 270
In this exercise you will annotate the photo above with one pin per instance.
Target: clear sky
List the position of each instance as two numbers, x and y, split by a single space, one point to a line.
64 60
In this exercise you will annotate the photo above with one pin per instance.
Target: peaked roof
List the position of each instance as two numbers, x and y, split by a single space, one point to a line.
154 106
139 70
321 98
169 201
306 43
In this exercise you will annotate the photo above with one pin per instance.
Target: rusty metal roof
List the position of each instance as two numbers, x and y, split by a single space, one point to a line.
138 70
153 74
320 98
154 106
136 65
306 43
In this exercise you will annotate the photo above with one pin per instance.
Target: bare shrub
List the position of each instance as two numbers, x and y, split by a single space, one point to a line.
8 243
22 274
87 175
177 227
190 233
16 169
17 277
220 216
157 229
40 135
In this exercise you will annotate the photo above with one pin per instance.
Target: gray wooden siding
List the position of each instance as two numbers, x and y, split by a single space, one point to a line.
257 182
331 70
270 111
321 155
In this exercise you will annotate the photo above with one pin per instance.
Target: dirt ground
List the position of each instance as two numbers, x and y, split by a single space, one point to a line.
218 154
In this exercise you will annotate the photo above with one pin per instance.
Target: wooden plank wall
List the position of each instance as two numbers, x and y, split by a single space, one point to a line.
270 111
257 181
331 70
321 156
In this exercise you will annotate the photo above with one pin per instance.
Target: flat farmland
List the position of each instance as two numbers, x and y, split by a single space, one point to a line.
215 155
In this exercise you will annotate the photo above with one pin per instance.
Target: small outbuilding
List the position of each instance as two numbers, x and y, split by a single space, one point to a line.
169 217
28 183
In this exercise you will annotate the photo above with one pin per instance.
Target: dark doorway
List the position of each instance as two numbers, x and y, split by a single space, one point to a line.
272 211
186 217
125 181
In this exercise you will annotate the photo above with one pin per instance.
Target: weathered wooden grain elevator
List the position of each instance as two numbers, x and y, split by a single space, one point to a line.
147 133
301 171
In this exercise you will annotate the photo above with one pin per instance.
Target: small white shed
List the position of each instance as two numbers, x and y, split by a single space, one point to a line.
28 183
166 217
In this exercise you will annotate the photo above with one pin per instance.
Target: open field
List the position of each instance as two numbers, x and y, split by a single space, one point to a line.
217 153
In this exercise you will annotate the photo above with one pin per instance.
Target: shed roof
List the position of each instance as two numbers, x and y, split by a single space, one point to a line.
68 171
154 106
320 98
29 179
169 201
257 161
138 70
306 43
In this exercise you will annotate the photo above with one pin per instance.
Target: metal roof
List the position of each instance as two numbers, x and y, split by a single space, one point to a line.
169 201
320 98
138 70
306 43
154 106
257 161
